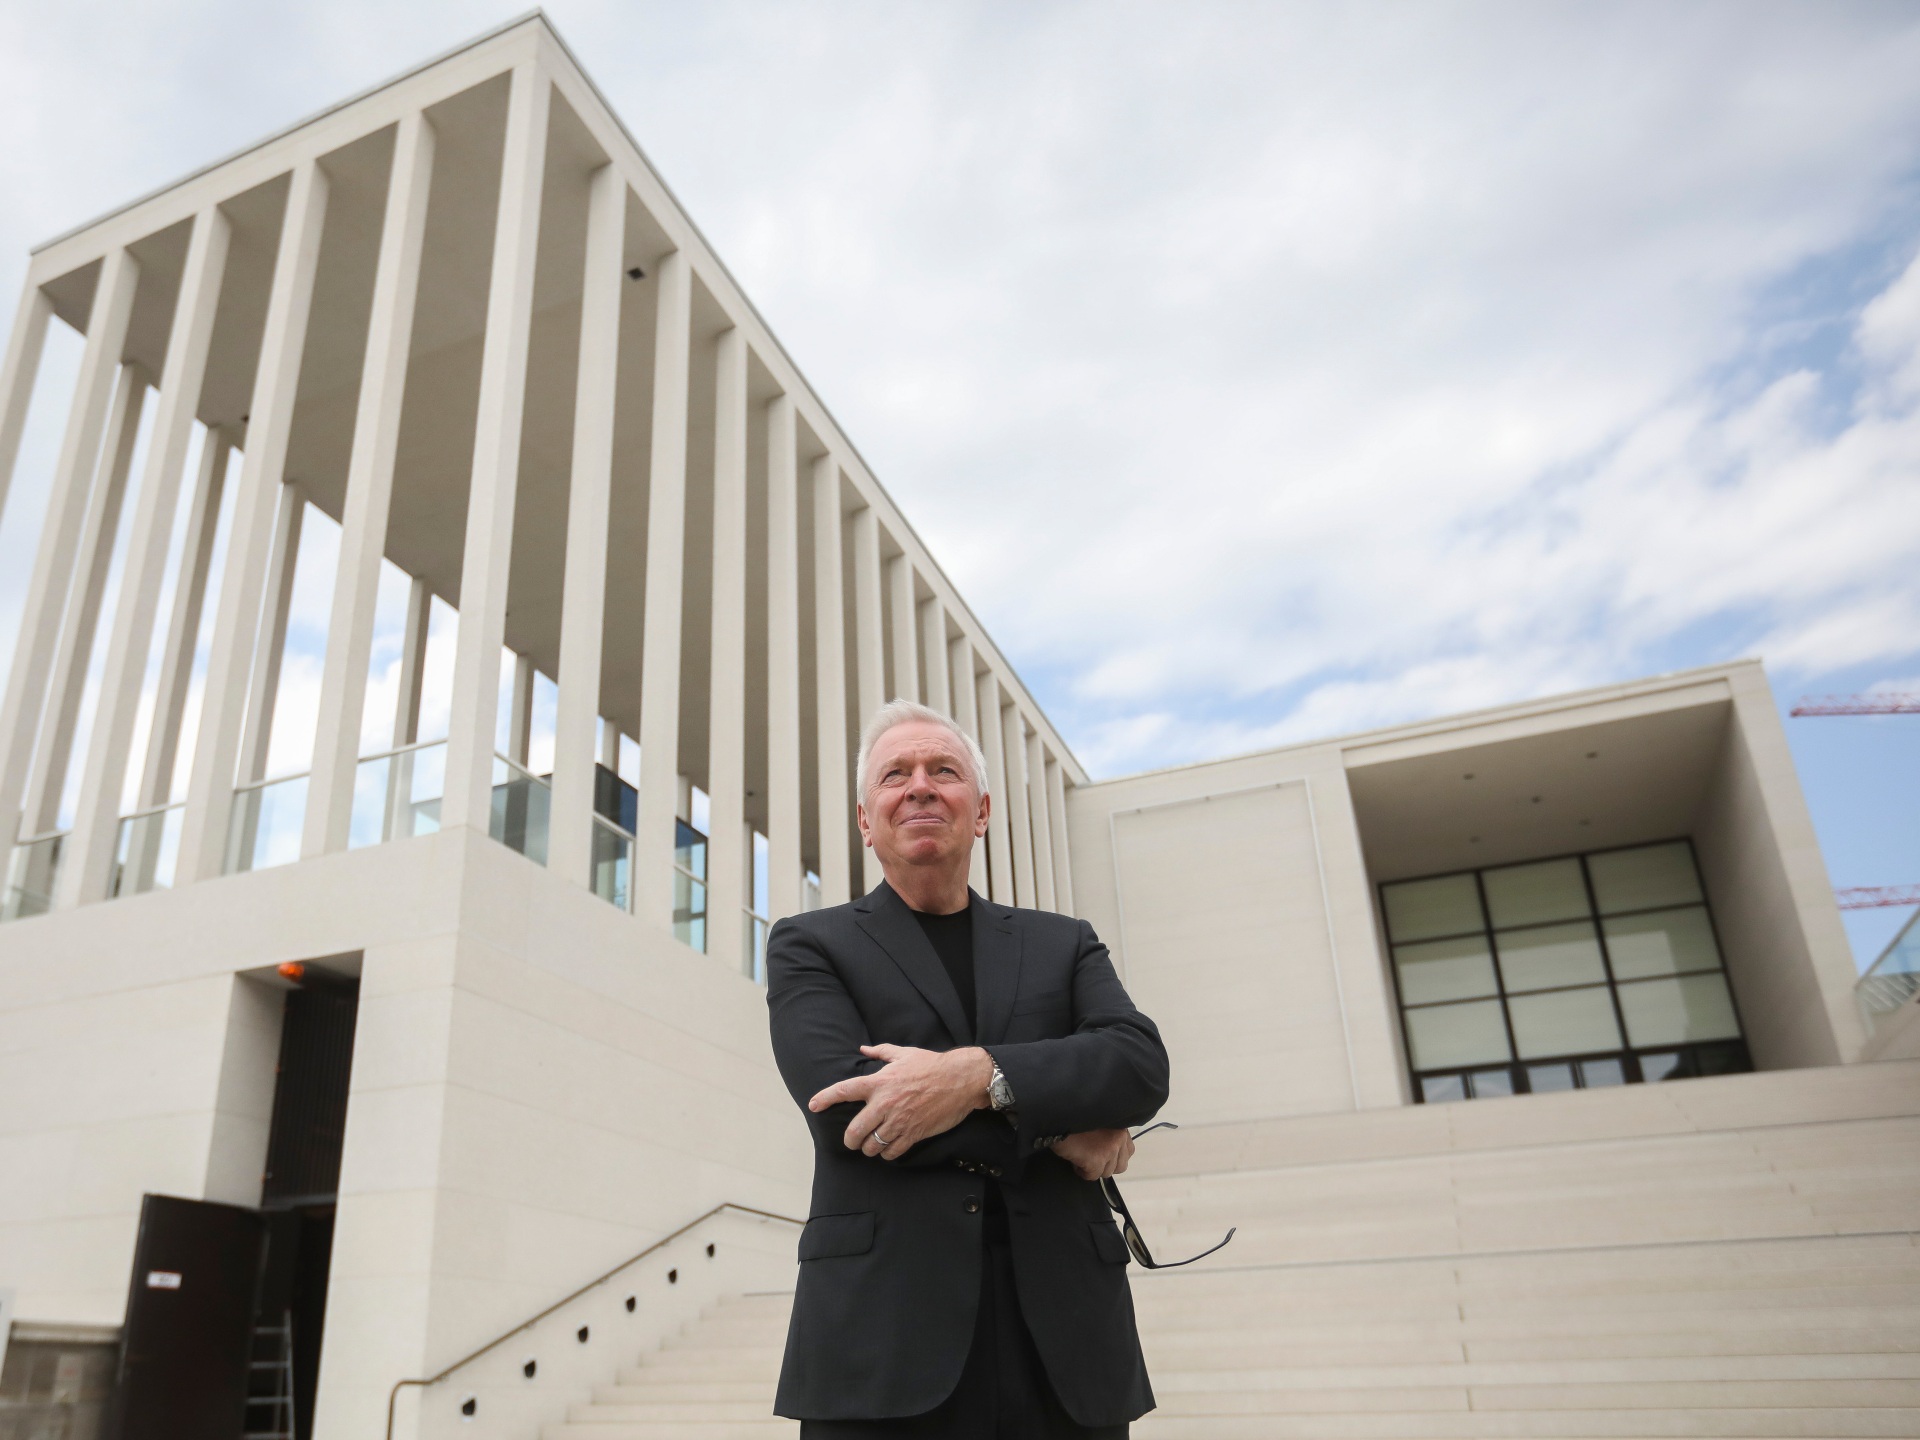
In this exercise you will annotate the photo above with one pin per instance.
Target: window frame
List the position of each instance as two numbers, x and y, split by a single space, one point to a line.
1517 1065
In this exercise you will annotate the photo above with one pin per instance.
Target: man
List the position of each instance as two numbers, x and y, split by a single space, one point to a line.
968 1071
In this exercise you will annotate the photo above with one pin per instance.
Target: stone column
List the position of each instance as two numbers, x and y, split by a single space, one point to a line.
906 659
933 649
236 621
520 712
25 695
183 627
263 691
81 622
966 710
589 496
784 863
870 652
413 659
369 497
727 859
97 816
1013 748
1057 822
488 554
993 738
397 822
657 804
17 375
830 686
1043 892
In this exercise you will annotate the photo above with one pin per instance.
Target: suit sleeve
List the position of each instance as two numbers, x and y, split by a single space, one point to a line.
817 1034
1110 1072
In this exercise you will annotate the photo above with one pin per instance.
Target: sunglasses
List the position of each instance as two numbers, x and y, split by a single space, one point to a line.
1132 1231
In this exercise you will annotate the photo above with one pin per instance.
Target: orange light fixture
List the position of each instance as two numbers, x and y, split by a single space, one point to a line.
293 970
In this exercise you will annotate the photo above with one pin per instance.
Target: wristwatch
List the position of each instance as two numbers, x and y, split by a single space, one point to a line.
999 1091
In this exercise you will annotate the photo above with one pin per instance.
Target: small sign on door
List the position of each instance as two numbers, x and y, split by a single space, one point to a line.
163 1279
68 1373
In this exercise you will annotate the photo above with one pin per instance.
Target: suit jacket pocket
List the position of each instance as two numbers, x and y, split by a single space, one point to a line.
1108 1242
829 1235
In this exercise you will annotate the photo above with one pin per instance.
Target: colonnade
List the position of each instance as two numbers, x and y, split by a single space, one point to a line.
851 609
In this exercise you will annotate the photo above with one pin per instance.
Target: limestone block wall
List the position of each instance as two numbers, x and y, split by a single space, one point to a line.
1236 903
541 1087
1787 955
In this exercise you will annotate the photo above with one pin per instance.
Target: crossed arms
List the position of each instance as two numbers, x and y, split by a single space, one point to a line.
1075 1094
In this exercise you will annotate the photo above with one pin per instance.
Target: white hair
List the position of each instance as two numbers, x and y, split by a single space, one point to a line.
906 712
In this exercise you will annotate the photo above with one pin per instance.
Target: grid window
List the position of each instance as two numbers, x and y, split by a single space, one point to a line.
1579 972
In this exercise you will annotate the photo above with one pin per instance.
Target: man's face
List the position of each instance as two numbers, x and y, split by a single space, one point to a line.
921 807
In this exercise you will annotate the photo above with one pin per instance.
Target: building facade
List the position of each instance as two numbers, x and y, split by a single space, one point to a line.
458 1007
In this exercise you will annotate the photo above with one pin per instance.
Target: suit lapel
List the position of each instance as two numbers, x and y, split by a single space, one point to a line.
996 968
885 918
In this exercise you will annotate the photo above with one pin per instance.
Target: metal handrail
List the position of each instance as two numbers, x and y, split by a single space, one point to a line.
515 765
270 781
615 826
405 749
153 810
393 1396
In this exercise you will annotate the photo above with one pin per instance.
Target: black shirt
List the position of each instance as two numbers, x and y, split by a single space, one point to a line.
952 939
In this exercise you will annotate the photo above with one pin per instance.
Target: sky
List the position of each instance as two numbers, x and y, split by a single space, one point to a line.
1259 371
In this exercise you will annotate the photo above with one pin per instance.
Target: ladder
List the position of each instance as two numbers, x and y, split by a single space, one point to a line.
270 1382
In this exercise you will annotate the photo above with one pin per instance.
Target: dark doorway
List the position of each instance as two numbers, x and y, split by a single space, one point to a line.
226 1306
300 1188
184 1353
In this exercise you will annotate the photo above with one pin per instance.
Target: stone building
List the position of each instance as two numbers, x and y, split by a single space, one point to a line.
347 1067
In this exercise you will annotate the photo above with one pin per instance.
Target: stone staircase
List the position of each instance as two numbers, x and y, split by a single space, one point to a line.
1731 1257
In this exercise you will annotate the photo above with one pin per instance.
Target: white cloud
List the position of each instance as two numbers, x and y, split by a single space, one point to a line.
1256 371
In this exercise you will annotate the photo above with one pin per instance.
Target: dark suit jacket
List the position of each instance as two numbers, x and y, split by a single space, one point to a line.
890 1260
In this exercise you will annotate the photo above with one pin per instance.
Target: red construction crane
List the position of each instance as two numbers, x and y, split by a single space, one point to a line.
1872 703
1868 897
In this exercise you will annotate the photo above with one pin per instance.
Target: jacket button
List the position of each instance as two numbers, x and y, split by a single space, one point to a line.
971 1205
994 1170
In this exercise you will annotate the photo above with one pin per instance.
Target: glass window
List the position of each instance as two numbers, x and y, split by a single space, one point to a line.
1423 909
1644 878
690 849
1597 1074
1536 894
1551 955
1437 1088
1544 1078
1487 1083
1662 942
1721 1059
1660 1065
1673 1012
1564 1022
1444 970
1590 971
1443 1036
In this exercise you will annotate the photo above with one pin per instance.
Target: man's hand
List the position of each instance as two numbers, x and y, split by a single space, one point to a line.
915 1095
1095 1154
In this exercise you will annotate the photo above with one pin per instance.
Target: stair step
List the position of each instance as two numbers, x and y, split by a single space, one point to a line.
770 1429
669 1388
660 1413
1746 1424
1596 1284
